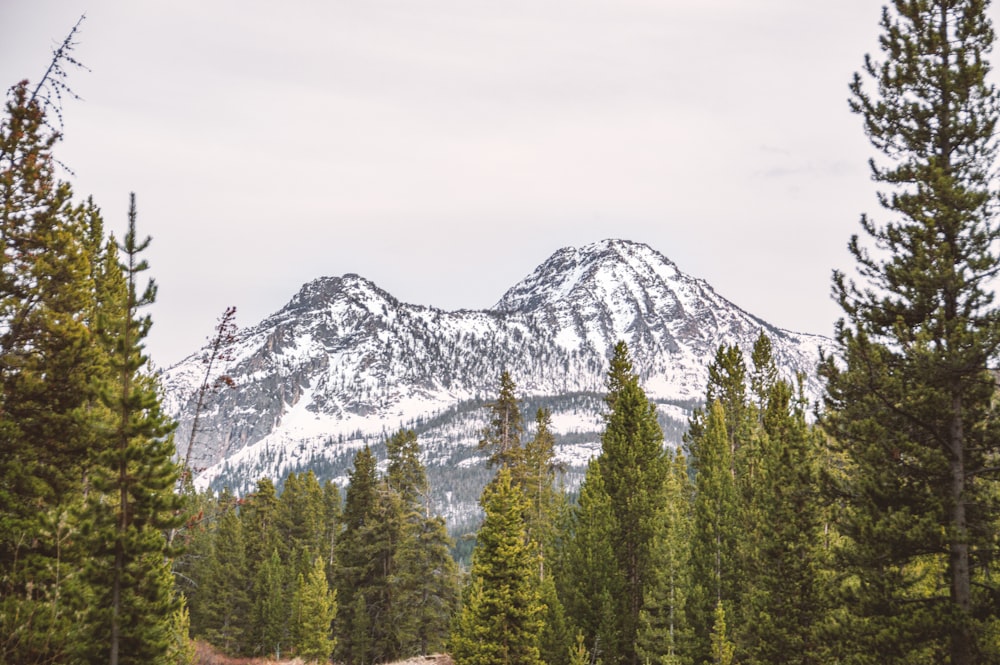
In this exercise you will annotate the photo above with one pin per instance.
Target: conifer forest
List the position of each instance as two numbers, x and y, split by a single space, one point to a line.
860 529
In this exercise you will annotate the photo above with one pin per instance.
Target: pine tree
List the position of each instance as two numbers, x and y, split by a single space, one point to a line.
223 612
664 632
270 611
545 506
634 469
359 559
181 649
423 578
426 589
48 358
382 540
764 371
405 473
590 581
783 603
545 501
259 513
723 649
714 530
727 384
317 607
300 521
501 620
502 438
910 394
397 583
131 504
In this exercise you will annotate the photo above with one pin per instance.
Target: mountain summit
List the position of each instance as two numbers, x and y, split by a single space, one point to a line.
344 364
615 289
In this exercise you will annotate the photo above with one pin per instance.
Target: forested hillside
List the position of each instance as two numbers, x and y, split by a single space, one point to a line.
862 529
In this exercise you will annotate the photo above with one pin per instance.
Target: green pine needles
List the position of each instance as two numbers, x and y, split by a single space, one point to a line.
502 615
911 390
87 456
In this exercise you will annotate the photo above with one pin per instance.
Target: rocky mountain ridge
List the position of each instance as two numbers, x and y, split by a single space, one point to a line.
344 364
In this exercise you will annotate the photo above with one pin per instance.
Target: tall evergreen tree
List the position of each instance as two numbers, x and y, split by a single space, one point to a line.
783 603
610 558
316 606
269 612
423 577
714 530
222 614
546 504
727 384
299 521
48 361
397 583
131 503
405 473
426 589
763 372
502 437
545 501
259 513
360 559
84 450
664 631
590 580
634 469
501 620
910 395
382 540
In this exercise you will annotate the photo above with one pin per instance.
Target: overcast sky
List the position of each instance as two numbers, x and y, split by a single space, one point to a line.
444 148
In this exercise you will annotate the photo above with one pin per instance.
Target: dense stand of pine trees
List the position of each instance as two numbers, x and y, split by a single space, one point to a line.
369 579
866 536
87 478
650 565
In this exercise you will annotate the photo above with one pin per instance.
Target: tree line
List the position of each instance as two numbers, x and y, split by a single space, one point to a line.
712 553
862 532
368 577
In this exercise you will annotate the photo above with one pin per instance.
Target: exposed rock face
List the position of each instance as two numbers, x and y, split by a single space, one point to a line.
344 363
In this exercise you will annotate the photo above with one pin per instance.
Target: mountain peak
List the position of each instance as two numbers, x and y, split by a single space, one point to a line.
324 292
592 272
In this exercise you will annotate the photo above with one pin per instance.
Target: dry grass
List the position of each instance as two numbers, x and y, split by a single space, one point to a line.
436 659
206 655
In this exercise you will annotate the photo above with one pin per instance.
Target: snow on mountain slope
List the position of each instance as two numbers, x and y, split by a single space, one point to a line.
344 363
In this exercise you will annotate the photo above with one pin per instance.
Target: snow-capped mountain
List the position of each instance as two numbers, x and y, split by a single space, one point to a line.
344 364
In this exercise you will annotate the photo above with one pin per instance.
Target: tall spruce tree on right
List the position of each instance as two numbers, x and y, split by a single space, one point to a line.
909 389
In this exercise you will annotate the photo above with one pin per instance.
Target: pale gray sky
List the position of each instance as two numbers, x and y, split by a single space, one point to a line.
444 148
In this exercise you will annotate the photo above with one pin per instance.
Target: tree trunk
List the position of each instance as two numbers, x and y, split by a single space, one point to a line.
961 587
